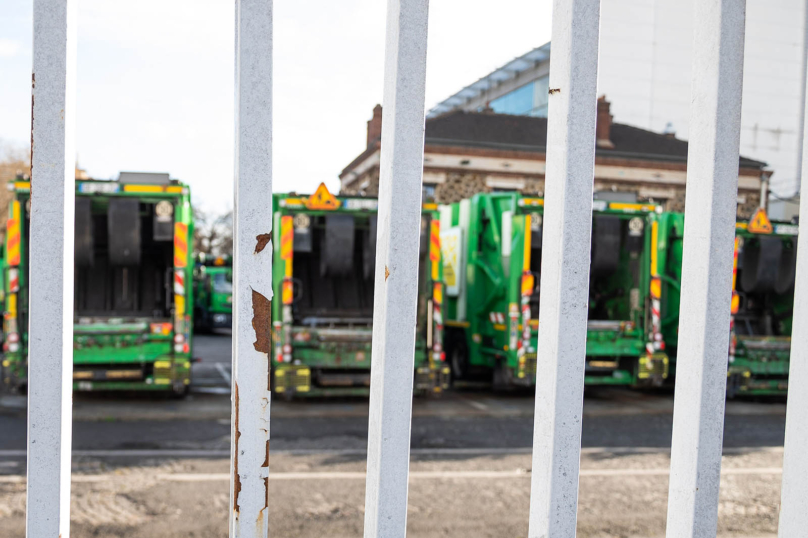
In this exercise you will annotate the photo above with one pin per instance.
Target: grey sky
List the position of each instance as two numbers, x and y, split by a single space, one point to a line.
155 81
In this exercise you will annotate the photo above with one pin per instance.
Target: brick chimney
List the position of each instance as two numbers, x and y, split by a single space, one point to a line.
604 124
375 126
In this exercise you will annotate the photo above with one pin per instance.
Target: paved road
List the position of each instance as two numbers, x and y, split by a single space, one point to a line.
211 372
155 467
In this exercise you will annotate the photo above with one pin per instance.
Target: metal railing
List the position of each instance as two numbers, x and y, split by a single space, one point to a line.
706 282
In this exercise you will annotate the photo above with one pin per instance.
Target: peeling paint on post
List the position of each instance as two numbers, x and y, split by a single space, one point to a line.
50 345
709 239
395 296
252 269
565 269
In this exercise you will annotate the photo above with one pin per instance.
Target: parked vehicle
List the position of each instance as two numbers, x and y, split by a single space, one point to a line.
213 293
132 315
322 305
492 265
762 301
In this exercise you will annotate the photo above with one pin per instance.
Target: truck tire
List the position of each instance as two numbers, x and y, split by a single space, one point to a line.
459 358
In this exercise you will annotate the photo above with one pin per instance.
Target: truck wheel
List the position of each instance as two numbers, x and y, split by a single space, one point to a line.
459 359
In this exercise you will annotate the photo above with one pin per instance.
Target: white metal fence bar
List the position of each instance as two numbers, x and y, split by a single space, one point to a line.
794 493
50 345
395 296
712 184
565 268
252 265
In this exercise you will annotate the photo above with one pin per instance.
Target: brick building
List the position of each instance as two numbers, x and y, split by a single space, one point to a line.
468 152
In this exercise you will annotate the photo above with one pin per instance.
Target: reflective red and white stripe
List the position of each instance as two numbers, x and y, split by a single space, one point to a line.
655 342
13 280
179 282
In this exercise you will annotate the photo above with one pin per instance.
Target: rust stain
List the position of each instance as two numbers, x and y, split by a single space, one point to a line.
555 90
386 272
236 477
266 487
261 242
266 459
261 322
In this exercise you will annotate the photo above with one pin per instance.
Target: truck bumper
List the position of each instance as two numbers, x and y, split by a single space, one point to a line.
162 375
292 380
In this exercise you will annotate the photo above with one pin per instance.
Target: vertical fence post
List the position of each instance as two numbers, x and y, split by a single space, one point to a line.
395 296
50 346
565 268
710 208
794 495
252 270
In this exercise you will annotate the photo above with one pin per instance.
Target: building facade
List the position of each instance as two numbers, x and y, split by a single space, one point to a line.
645 69
469 152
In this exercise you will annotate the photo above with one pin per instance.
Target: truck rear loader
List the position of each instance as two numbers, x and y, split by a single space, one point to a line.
132 285
324 270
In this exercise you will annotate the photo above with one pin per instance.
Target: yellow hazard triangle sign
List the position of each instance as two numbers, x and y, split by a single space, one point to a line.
322 199
760 223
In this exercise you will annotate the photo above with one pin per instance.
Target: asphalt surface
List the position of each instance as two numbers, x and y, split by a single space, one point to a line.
471 462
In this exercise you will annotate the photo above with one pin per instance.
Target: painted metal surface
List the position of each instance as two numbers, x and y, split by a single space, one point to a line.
51 253
565 274
709 234
794 493
252 275
396 288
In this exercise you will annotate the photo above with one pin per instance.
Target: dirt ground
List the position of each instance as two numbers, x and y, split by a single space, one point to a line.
623 494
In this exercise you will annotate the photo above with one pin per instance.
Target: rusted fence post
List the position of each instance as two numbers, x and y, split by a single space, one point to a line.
565 268
712 184
794 496
394 311
50 346
252 270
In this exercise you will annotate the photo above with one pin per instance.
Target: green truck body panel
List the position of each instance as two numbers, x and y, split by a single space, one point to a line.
760 336
492 253
132 316
322 304
213 294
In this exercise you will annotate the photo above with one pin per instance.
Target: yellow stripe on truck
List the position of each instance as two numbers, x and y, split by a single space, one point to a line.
287 243
180 245
528 239
13 231
434 248
654 247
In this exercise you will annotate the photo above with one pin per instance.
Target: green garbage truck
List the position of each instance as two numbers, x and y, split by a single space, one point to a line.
762 307
132 290
762 301
213 293
322 304
492 266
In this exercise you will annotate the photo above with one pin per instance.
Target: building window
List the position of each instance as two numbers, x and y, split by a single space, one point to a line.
528 100
428 193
